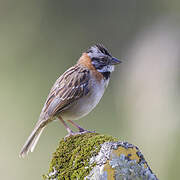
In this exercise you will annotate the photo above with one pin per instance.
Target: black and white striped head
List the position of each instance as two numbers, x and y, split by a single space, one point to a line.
102 60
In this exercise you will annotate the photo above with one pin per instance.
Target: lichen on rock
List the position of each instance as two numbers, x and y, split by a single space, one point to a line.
123 161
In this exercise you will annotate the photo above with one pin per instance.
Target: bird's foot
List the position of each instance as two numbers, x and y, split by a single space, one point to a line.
81 131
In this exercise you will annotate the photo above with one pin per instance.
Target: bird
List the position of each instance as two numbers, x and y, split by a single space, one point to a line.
75 93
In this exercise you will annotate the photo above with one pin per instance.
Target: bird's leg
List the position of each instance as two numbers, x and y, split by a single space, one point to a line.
77 126
81 130
70 132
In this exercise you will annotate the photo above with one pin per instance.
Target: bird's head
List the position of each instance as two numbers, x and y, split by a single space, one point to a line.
102 60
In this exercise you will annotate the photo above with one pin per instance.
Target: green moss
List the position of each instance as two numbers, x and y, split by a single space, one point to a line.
71 159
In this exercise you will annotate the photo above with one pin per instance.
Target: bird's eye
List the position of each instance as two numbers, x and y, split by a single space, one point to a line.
103 59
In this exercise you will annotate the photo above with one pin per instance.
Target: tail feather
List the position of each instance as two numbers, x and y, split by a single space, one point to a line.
33 144
32 140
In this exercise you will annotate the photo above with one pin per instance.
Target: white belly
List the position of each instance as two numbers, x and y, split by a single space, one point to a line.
85 104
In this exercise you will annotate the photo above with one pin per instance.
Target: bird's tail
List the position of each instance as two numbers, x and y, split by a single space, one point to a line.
32 139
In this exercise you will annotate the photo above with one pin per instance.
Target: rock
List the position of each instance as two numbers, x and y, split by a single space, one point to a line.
93 156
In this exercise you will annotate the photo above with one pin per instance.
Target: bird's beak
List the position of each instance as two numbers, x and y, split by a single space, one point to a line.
115 61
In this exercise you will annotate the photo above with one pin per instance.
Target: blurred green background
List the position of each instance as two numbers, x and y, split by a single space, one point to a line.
39 40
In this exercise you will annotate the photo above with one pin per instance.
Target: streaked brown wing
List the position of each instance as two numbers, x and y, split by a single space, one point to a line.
69 87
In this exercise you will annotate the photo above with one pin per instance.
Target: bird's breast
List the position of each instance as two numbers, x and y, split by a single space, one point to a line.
87 103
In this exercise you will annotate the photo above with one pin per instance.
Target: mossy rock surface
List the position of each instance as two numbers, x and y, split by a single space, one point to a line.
93 156
72 157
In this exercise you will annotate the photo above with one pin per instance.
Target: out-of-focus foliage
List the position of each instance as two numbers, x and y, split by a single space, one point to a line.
39 40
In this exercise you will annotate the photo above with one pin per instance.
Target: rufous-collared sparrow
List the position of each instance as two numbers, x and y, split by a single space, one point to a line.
75 93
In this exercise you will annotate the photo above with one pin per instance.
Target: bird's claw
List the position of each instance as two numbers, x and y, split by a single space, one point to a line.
82 131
